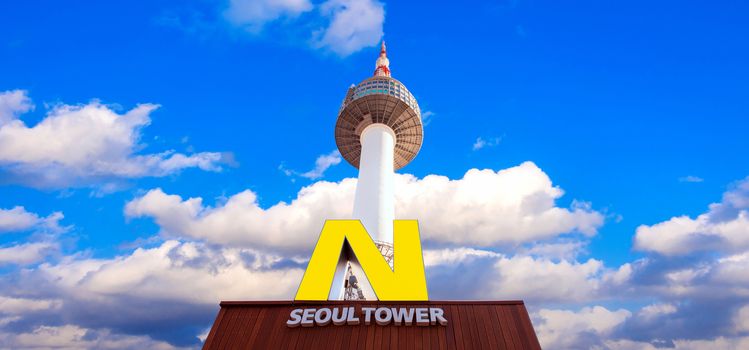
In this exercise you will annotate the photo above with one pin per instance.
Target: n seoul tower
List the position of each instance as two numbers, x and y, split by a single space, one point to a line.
378 131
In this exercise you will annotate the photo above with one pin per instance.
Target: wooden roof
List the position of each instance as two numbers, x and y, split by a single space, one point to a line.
471 325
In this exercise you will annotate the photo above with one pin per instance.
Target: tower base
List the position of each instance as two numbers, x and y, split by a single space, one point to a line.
468 325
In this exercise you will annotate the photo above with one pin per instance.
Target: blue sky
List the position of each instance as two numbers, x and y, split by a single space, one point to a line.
636 110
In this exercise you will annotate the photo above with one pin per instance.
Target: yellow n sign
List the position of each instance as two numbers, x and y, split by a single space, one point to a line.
406 281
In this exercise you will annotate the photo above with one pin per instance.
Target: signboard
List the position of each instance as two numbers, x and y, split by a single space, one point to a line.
405 281
383 316
471 325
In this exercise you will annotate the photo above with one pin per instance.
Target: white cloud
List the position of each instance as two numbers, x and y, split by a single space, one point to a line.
484 143
701 294
88 144
173 287
18 219
252 15
523 277
723 228
12 104
479 274
10 305
343 26
702 279
656 310
729 271
724 343
741 319
204 335
353 25
427 117
27 253
452 256
74 337
565 250
322 164
583 329
485 208
205 275
691 178
241 221
185 281
489 207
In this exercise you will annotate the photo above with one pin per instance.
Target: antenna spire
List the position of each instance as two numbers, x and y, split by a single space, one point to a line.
382 67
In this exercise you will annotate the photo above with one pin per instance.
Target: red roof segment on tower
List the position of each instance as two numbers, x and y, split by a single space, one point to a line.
382 66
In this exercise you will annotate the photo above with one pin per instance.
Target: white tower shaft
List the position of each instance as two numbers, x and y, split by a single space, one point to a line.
374 202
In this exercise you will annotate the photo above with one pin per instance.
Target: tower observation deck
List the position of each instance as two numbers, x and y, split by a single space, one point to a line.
378 131
380 100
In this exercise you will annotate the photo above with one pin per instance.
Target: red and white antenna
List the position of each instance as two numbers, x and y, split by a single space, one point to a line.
382 67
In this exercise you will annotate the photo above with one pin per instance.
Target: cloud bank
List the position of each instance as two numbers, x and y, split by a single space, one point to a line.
84 145
352 25
508 239
723 228
342 26
40 245
252 15
18 219
484 208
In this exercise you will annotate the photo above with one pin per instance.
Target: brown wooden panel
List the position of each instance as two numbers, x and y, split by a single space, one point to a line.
433 339
457 327
212 334
247 331
378 335
471 325
512 326
504 328
277 333
225 328
469 337
416 335
256 327
498 337
482 314
479 332
369 345
528 331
